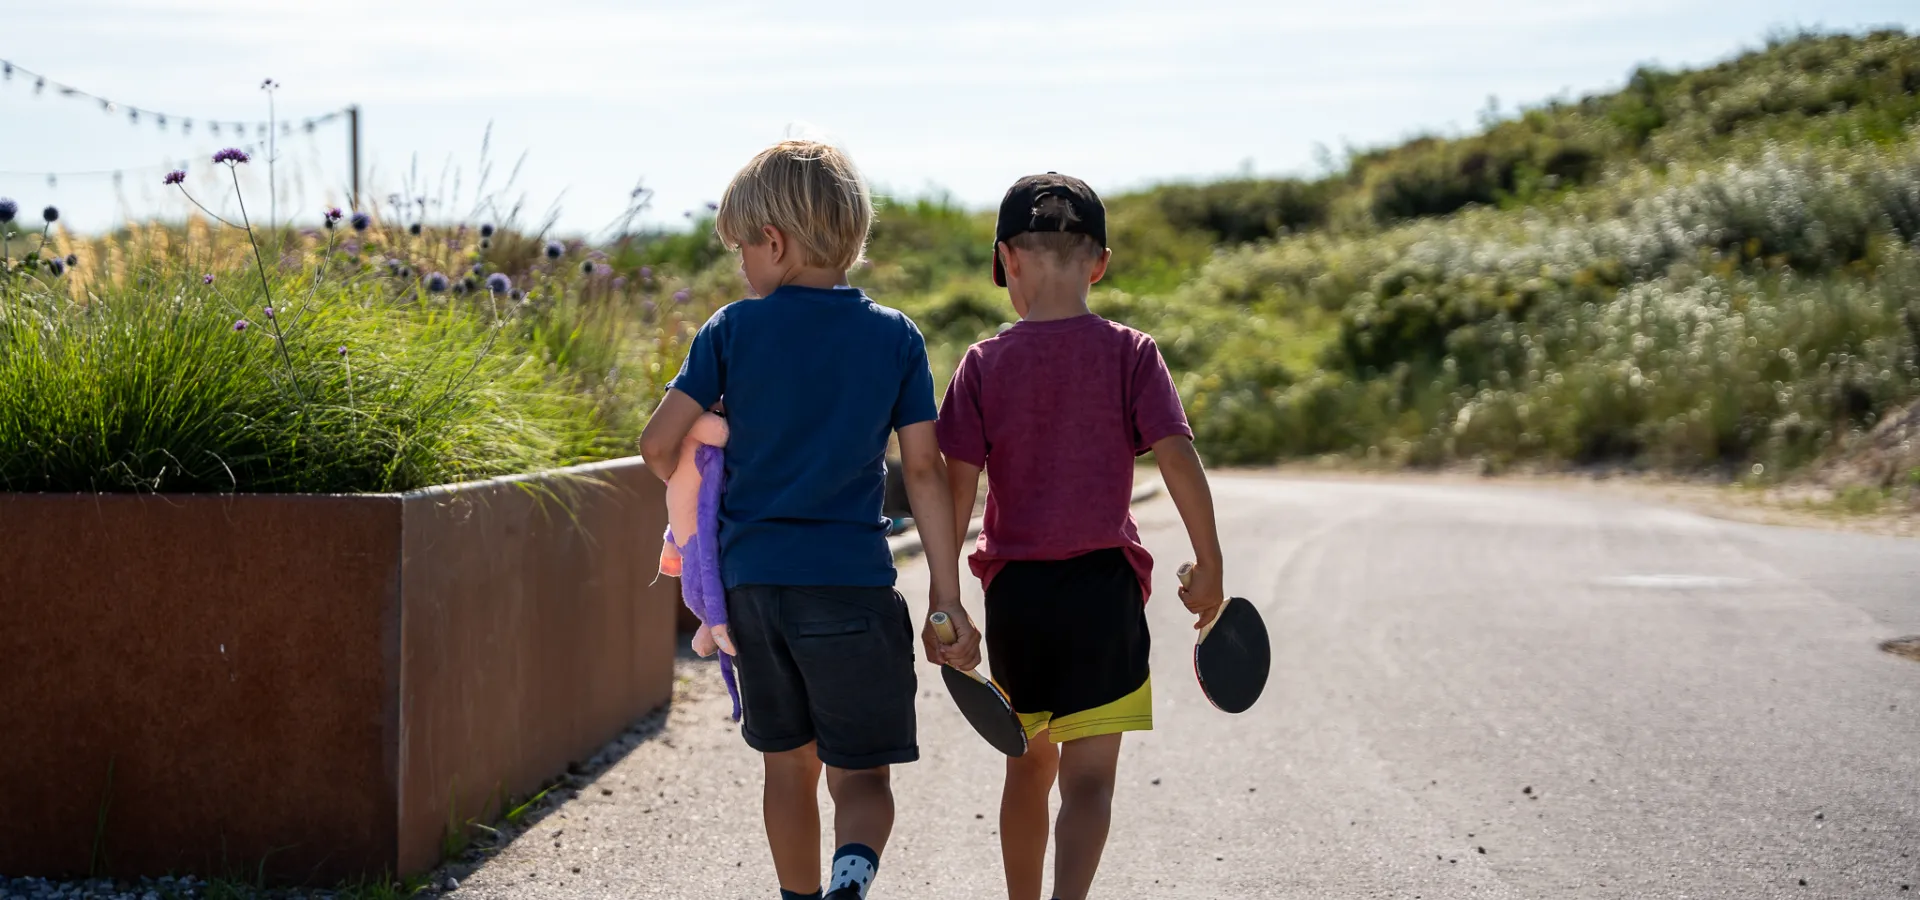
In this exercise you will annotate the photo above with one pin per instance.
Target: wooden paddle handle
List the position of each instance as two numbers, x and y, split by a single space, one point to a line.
943 628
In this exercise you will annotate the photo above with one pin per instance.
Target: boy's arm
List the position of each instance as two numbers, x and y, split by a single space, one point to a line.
963 483
660 440
926 477
1186 481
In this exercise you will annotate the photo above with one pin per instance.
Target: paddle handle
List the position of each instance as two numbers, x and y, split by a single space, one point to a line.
1185 574
943 628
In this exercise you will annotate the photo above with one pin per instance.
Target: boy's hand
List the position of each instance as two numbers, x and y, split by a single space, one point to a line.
964 652
1204 593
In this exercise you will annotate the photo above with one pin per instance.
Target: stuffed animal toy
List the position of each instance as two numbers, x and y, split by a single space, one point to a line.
692 551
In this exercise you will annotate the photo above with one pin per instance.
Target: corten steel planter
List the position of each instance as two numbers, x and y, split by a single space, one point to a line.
315 687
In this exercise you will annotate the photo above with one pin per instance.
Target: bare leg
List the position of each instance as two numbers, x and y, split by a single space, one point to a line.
862 806
1023 816
792 809
1087 769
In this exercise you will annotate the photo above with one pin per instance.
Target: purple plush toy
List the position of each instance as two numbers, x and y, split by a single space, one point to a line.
692 551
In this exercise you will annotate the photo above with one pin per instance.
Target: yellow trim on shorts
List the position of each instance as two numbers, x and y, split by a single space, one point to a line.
1134 712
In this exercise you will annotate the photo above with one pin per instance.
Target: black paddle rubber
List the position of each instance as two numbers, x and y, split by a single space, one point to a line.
1233 656
987 710
982 702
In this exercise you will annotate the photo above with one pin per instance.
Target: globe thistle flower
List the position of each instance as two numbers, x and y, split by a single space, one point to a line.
393 267
555 250
499 283
586 268
332 216
50 215
646 272
57 266
486 243
361 221
468 283
603 270
681 296
519 294
207 278
620 284
232 156
406 271
174 177
478 268
486 230
240 325
437 283
8 209
414 229
73 259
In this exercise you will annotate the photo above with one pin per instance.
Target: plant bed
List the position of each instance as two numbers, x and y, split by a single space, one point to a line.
313 688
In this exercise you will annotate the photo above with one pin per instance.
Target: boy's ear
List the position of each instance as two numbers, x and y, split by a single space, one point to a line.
1100 266
1007 259
776 241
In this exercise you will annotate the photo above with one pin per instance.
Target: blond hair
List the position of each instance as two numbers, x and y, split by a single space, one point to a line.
808 190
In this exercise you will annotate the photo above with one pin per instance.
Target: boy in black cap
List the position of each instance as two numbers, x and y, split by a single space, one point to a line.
1055 409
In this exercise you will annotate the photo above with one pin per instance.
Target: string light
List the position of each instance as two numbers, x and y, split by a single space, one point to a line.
134 113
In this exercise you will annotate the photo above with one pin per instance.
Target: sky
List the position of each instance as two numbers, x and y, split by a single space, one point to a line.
598 96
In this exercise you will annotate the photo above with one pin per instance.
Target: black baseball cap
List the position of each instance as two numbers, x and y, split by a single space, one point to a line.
1023 211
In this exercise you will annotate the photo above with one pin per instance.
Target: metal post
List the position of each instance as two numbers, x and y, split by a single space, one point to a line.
353 140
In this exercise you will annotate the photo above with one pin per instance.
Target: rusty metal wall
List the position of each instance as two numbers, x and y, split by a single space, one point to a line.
229 658
313 686
532 632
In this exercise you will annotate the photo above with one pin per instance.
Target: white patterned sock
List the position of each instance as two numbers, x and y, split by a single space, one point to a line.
854 865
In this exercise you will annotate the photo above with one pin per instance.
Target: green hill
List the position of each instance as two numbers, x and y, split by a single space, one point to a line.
1713 268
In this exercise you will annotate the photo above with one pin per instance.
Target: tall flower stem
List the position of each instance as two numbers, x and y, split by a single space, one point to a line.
260 265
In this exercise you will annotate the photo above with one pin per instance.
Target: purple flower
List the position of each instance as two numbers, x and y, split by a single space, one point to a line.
333 215
681 296
240 325
175 177
343 351
436 283
8 209
603 270
486 231
207 278
50 215
712 206
554 250
478 268
499 283
57 266
269 312
646 271
620 284
232 156
361 221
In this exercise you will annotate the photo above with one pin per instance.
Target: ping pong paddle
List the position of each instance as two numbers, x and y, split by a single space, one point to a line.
1232 656
980 700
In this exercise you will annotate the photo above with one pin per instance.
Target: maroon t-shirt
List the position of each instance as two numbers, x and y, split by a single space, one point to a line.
1056 412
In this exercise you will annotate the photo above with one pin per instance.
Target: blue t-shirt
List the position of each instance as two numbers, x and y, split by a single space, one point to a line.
815 380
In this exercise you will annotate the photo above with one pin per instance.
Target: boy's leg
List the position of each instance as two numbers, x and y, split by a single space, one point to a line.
791 805
1087 771
862 806
1023 816
778 723
854 649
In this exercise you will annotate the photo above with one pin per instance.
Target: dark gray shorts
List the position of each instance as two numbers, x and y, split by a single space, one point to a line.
832 665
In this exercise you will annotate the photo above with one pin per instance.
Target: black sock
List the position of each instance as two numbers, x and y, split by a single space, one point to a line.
853 864
789 895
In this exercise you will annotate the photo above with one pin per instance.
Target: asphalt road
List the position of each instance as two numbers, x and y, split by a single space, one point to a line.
1478 692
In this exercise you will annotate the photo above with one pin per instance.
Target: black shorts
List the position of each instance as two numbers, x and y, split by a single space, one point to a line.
1068 641
832 665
